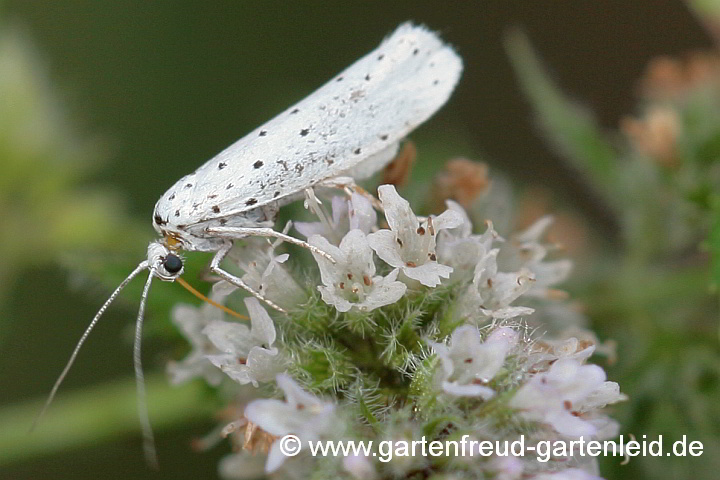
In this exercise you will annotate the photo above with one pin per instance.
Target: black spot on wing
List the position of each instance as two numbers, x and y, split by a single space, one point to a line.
250 202
258 164
294 111
222 165
216 209
262 133
304 132
357 151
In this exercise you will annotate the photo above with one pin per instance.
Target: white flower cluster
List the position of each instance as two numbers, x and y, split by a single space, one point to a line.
408 247
246 355
469 364
562 391
427 252
486 353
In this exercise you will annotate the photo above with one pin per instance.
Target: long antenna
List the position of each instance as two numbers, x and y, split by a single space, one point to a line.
148 438
142 266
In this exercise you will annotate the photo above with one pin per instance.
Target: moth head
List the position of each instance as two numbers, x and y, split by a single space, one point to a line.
164 262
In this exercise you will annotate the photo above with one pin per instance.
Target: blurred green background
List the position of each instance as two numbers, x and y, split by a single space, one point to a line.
150 90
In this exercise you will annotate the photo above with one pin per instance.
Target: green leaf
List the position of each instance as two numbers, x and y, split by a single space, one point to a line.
714 245
96 414
570 128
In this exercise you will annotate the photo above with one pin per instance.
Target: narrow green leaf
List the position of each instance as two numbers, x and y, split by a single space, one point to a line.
570 128
96 414
714 245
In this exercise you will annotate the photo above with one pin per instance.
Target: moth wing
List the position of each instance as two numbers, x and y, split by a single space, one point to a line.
359 115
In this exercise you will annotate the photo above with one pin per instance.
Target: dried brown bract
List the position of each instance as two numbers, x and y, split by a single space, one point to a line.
463 180
398 171
655 134
668 78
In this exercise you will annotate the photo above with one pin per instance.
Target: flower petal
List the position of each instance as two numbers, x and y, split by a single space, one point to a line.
429 274
275 458
362 214
470 390
447 219
262 328
384 242
398 213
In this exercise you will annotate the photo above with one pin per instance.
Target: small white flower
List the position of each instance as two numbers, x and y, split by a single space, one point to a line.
491 292
566 348
362 214
499 289
247 354
265 272
584 337
526 250
302 414
558 397
410 244
351 282
191 321
463 230
606 394
468 363
355 213
459 248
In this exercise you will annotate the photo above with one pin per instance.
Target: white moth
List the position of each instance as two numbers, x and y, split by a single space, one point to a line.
351 127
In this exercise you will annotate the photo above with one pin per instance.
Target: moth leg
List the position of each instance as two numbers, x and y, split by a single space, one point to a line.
238 232
348 185
229 277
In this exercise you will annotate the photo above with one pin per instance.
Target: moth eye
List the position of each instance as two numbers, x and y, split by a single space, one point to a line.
172 263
